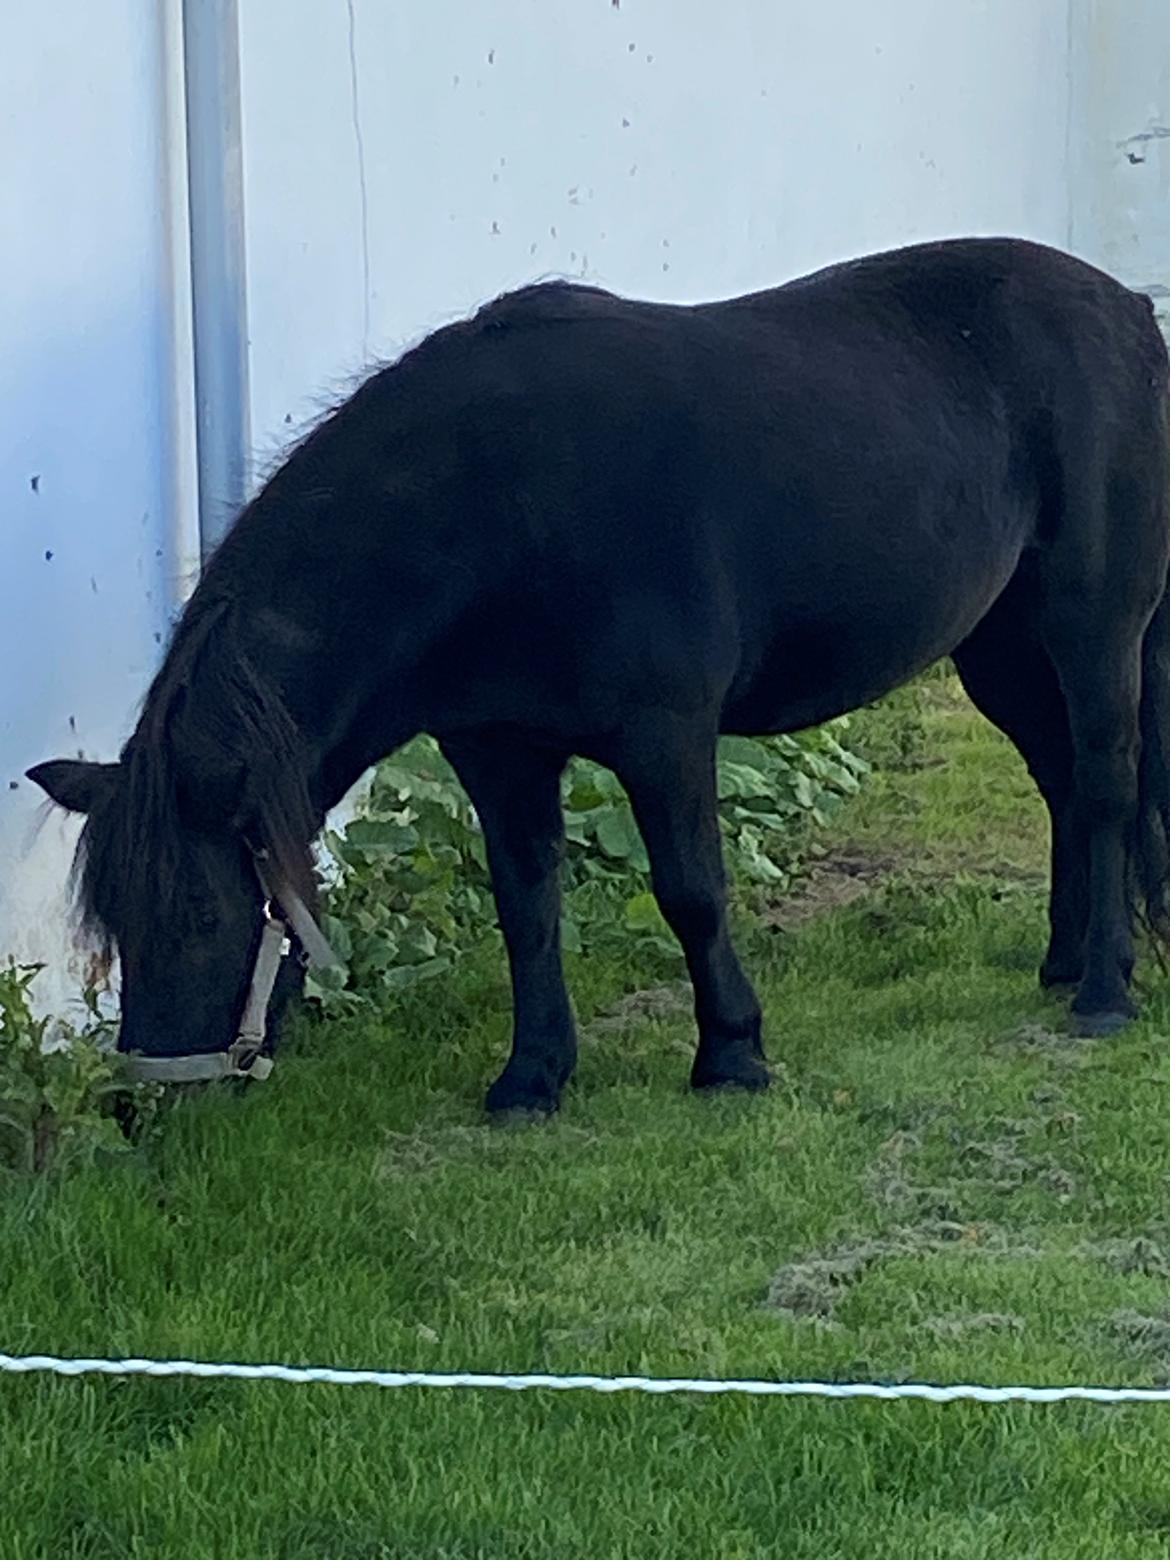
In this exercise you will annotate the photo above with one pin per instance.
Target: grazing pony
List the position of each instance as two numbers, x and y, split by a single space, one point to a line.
579 524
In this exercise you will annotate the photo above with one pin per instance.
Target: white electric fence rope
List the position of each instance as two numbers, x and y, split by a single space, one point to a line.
31 1364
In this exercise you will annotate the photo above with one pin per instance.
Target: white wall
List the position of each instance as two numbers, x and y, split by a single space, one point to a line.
672 148
87 446
1119 141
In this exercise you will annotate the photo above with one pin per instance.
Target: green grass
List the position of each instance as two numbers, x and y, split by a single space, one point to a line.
940 1187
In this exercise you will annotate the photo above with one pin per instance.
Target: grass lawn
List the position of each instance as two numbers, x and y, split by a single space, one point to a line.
941 1186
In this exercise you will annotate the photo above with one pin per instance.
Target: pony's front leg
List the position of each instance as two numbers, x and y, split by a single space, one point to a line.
668 768
515 789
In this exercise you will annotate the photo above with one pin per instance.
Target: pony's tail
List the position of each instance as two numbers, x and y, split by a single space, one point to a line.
1151 853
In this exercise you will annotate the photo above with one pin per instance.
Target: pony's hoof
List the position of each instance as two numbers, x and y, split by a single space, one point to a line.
735 1068
1097 1026
523 1094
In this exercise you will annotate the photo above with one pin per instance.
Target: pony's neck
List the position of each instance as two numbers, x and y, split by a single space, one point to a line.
339 608
347 702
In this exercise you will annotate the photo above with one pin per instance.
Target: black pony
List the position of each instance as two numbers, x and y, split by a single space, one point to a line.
580 524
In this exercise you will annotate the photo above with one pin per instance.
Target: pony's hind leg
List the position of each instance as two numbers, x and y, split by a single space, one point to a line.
1009 677
1102 572
1101 560
1098 657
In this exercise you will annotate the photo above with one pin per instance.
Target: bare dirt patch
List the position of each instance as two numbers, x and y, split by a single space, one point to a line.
813 1287
837 880
656 1004
1137 1254
1147 1336
961 1324
1000 1160
1048 1044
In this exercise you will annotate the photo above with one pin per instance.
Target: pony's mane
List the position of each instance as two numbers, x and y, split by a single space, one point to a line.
215 741
214 734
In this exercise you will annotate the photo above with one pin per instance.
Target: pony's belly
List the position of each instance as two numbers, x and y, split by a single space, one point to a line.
812 674
884 626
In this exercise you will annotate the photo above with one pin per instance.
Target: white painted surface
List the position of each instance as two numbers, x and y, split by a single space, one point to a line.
1119 141
403 162
86 435
677 149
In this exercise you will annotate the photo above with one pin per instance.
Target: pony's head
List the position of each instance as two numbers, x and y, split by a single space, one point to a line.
168 872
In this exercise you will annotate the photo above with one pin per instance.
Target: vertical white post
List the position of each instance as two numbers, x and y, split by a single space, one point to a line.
181 460
215 172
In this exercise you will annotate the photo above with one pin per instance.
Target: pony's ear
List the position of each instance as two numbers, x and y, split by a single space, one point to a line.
74 784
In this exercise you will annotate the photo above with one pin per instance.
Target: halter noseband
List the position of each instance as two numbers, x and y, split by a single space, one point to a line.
244 1058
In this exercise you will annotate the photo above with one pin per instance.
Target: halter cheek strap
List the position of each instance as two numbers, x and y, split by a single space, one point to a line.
244 1058
312 939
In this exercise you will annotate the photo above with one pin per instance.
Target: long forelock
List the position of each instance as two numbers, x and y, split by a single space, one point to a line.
134 870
